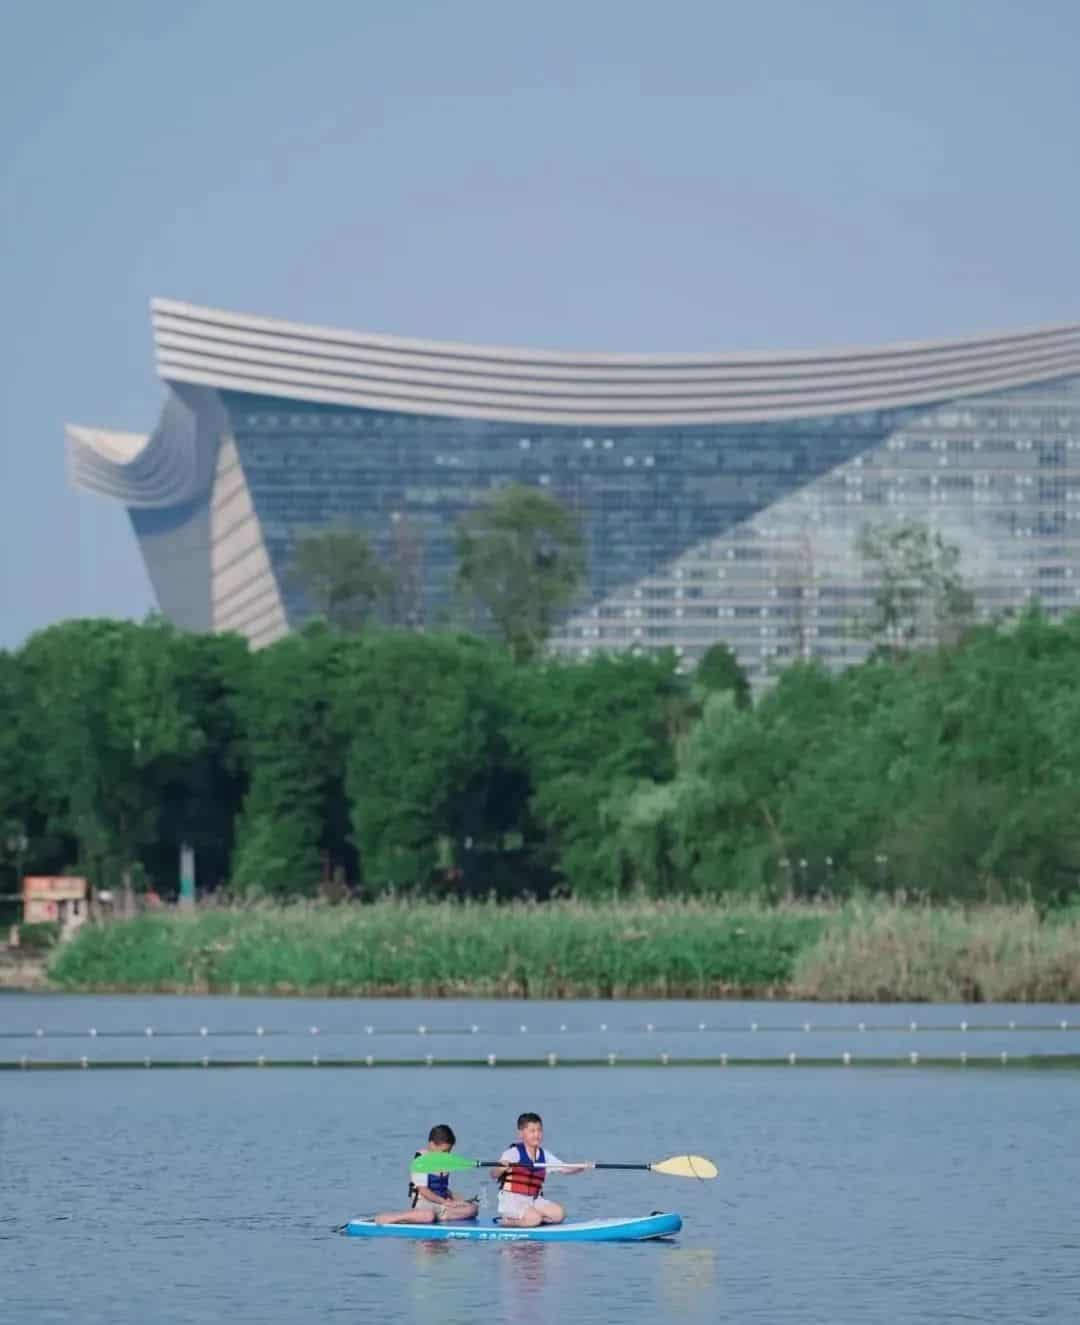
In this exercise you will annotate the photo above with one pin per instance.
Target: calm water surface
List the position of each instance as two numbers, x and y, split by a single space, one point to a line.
875 1195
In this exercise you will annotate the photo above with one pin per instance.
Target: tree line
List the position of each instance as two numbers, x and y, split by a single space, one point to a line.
356 756
394 759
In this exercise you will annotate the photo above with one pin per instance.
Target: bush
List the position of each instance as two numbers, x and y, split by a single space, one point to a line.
39 937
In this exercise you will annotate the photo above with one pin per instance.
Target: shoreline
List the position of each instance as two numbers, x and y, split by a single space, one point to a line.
770 995
28 975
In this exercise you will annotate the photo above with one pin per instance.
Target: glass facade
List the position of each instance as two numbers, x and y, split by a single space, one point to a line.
743 533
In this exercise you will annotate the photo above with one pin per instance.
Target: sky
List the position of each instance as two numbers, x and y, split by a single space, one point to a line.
579 174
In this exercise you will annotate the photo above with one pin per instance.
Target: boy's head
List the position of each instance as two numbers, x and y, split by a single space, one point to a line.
530 1128
441 1137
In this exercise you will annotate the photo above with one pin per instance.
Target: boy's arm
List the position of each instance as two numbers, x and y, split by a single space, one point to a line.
506 1158
555 1165
427 1194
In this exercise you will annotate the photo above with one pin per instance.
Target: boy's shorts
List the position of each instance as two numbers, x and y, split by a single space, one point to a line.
439 1211
512 1205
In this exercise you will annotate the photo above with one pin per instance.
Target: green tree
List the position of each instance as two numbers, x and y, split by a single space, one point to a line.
20 819
520 557
719 670
294 819
425 753
202 800
113 732
919 592
588 733
340 575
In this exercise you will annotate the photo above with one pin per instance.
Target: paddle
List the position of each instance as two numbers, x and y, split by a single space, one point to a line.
678 1166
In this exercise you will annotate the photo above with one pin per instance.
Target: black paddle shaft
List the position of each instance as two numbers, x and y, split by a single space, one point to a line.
501 1164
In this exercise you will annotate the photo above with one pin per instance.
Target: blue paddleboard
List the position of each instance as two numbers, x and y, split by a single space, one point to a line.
640 1229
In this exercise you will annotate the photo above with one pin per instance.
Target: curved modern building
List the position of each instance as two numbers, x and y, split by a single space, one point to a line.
721 495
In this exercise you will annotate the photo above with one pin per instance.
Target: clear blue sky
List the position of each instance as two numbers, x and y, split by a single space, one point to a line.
598 174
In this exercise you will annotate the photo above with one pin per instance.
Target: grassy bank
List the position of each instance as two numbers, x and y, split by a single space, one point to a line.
875 951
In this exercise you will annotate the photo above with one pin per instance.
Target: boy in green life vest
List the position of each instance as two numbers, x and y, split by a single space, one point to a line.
430 1197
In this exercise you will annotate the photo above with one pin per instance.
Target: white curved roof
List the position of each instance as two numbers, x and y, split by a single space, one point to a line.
173 464
266 356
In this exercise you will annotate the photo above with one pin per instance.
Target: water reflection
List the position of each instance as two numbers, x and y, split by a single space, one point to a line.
688 1277
525 1268
424 1250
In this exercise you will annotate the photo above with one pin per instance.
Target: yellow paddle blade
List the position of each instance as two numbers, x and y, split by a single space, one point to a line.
686 1166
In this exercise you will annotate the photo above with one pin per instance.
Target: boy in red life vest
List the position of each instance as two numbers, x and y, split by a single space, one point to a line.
522 1170
432 1201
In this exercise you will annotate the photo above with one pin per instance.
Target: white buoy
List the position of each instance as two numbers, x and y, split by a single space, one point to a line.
862 1025
491 1060
1012 1025
611 1060
38 1032
603 1025
963 1025
314 1030
93 1031
24 1061
963 1060
847 1059
1064 1025
665 1059
701 1026
553 1060
429 1059
149 1030
203 1031
806 1025
723 1060
315 1060
422 1030
753 1025
259 1030
260 1061
474 1029
791 1059
649 1027
914 1059
1004 1058
84 1062
563 1026
370 1060
369 1030
206 1062
146 1062
523 1029
914 1025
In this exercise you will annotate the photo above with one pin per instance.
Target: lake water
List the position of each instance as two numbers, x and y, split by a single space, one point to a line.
871 1194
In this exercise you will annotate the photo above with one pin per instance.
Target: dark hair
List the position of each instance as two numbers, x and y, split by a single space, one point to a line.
524 1118
442 1135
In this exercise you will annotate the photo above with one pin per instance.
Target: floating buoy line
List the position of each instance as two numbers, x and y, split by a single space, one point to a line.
551 1060
722 1028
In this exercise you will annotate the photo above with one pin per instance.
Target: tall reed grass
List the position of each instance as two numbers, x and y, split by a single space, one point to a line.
883 951
552 950
876 951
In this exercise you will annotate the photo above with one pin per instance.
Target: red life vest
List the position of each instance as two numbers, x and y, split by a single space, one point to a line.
526 1177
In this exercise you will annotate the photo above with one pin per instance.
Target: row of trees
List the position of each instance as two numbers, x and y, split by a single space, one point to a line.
520 562
391 758
435 760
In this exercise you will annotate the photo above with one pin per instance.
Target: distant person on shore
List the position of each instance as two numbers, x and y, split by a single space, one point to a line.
431 1199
